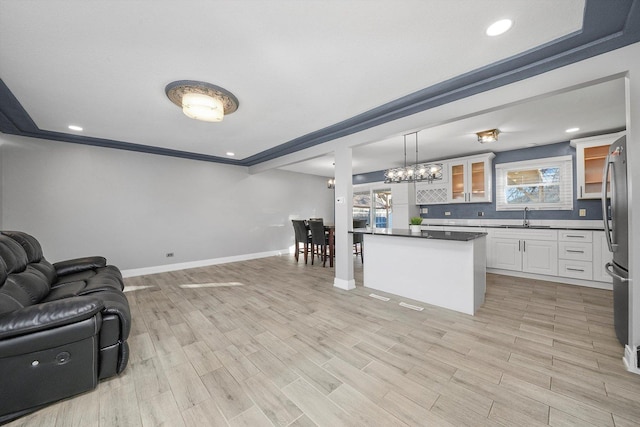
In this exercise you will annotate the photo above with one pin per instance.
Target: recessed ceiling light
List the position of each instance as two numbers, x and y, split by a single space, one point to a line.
229 153
499 27
74 127
571 130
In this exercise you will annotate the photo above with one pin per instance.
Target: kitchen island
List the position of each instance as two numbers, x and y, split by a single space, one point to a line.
442 268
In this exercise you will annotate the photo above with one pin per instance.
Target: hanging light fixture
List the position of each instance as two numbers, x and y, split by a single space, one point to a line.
201 101
490 135
413 173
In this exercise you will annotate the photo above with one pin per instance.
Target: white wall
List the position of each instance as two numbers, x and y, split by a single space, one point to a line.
134 208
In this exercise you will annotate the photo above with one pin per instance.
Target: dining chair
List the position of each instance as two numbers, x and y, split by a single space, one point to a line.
319 241
302 236
358 238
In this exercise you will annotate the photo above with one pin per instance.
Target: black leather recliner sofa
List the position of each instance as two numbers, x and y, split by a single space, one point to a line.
63 326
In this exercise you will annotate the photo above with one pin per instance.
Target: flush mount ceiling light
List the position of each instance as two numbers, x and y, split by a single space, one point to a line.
201 101
499 27
490 135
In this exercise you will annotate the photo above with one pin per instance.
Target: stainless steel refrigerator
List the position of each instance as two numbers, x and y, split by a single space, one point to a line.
616 228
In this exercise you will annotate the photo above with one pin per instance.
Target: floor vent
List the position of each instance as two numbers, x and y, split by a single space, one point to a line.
381 298
209 285
137 288
412 307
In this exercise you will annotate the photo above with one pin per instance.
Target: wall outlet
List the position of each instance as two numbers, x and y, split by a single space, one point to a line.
480 213
169 254
424 210
447 214
582 212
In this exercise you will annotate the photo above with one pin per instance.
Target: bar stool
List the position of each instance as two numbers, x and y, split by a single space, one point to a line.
358 238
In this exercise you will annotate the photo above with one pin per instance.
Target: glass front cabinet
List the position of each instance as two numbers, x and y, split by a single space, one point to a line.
470 179
590 158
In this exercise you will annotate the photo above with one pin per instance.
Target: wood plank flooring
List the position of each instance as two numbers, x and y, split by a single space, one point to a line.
286 348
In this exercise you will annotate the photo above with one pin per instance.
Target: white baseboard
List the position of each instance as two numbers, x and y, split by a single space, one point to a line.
202 263
556 279
347 285
630 359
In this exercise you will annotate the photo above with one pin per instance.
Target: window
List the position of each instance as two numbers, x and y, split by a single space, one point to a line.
379 213
544 184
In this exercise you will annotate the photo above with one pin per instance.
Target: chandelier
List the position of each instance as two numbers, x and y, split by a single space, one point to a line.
413 173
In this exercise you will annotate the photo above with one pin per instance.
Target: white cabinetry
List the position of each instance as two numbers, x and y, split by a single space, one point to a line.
575 254
601 256
590 157
464 180
431 193
403 204
470 179
529 251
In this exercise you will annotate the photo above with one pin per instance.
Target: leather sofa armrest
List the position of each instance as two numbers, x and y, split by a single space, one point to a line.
48 315
79 264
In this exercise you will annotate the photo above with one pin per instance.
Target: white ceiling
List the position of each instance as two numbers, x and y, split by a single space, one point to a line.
594 109
295 66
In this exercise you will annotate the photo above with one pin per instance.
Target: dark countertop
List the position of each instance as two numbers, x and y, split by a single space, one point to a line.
460 236
517 227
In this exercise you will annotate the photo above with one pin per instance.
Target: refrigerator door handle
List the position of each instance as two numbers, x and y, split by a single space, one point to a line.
607 268
607 229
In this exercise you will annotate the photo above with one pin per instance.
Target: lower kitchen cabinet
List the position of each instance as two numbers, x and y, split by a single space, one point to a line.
576 254
529 251
601 256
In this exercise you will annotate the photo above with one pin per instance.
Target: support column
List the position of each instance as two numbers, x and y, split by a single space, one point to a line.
343 220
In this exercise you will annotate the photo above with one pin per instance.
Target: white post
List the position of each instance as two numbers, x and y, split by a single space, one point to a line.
343 220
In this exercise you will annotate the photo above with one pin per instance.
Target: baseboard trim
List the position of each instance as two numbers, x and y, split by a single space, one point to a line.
630 359
347 285
202 263
556 279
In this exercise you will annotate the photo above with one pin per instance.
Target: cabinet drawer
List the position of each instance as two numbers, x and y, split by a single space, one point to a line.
575 236
575 269
575 251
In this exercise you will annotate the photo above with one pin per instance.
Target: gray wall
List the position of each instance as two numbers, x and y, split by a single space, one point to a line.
471 210
134 208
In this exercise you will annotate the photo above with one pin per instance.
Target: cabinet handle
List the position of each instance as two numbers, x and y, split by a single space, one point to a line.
519 245
574 252
581 191
575 269
524 246
573 235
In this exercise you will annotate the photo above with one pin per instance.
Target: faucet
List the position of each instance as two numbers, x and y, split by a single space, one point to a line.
525 221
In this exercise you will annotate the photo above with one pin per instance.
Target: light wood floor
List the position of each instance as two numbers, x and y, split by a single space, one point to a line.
287 349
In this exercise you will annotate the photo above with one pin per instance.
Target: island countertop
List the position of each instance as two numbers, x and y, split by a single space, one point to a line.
460 236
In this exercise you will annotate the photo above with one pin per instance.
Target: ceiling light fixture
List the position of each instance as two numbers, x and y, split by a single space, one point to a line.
499 27
201 101
75 127
414 173
230 154
490 135
571 130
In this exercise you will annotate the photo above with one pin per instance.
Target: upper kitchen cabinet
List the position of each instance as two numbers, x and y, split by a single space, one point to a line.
434 192
590 158
470 179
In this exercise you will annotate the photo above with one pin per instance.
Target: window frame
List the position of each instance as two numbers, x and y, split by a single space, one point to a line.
563 163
